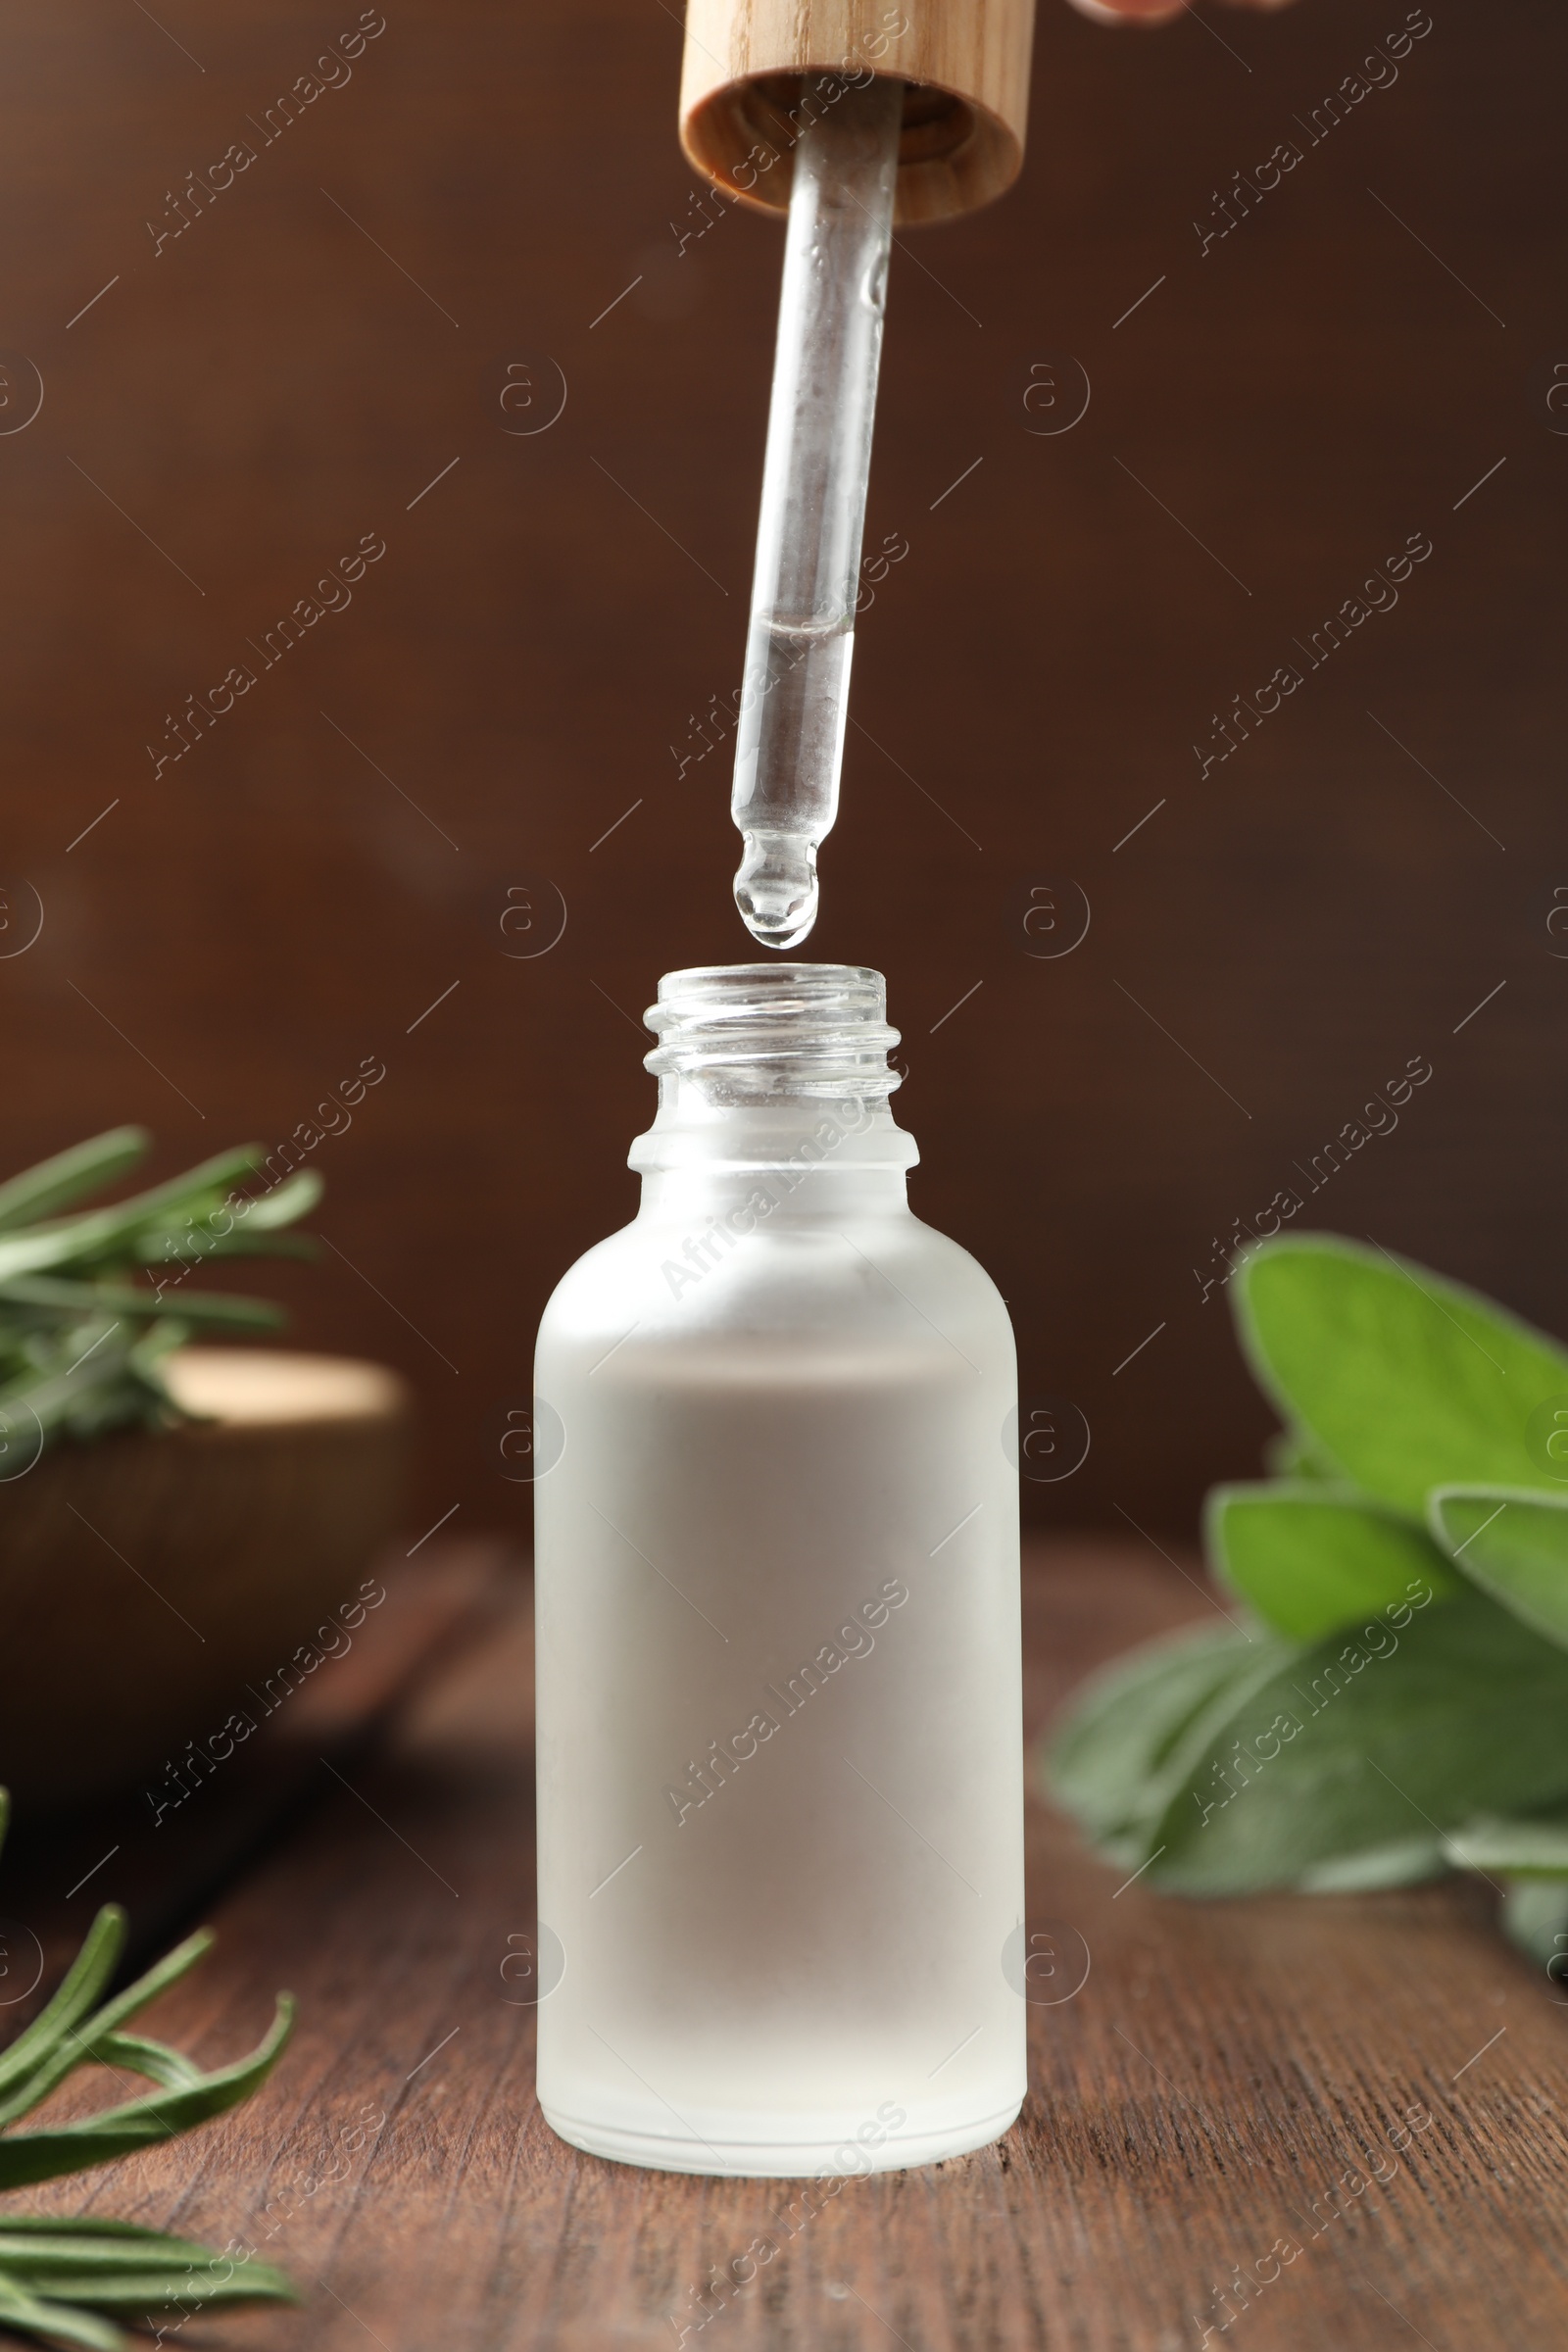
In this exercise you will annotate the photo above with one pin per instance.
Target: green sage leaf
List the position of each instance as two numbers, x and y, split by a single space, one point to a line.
1404 1862
1369 1742
1291 1454
1534 1916
1309 1560
1402 1380
1514 1544
1105 1761
1520 1848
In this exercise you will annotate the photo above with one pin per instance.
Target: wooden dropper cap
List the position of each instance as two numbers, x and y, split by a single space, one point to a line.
964 64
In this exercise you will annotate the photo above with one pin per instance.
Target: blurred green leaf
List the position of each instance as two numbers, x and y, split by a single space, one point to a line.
1402 1862
1410 1567
48 2265
1309 1559
1291 1454
1128 1726
1521 1848
104 1233
55 1296
55 2322
69 1175
295 1196
1401 1380
1514 1544
1350 1746
1534 1916
91 1304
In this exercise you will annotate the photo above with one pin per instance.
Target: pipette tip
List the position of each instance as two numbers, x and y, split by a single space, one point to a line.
776 889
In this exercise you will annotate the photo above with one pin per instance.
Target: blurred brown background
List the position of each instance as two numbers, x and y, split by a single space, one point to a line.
326 877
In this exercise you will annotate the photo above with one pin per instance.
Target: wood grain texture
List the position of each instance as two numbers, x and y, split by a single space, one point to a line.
163 1866
1209 2093
965 64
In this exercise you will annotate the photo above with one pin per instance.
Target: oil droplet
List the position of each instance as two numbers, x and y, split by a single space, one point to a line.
776 888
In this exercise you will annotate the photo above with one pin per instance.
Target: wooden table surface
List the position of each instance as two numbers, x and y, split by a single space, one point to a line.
1349 2111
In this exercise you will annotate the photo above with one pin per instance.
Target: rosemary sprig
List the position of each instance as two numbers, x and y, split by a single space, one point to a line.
61 2278
83 1339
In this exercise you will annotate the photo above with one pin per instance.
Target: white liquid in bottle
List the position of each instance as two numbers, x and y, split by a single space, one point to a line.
780 1785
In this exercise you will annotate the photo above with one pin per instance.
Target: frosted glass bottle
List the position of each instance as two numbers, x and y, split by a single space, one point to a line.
780 1769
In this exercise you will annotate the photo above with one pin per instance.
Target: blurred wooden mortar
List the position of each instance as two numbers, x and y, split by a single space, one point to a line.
147 1578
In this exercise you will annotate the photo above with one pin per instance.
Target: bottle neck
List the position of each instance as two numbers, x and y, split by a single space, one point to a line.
773 1086
803 1158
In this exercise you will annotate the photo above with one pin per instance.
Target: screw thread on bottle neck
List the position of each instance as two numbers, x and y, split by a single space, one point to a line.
744 1033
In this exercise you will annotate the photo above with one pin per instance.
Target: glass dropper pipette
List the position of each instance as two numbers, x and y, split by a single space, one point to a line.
795 694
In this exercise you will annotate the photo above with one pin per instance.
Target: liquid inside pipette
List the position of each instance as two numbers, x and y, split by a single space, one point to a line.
793 698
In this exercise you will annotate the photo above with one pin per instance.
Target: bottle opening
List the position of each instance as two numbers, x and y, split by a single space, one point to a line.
745 1032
